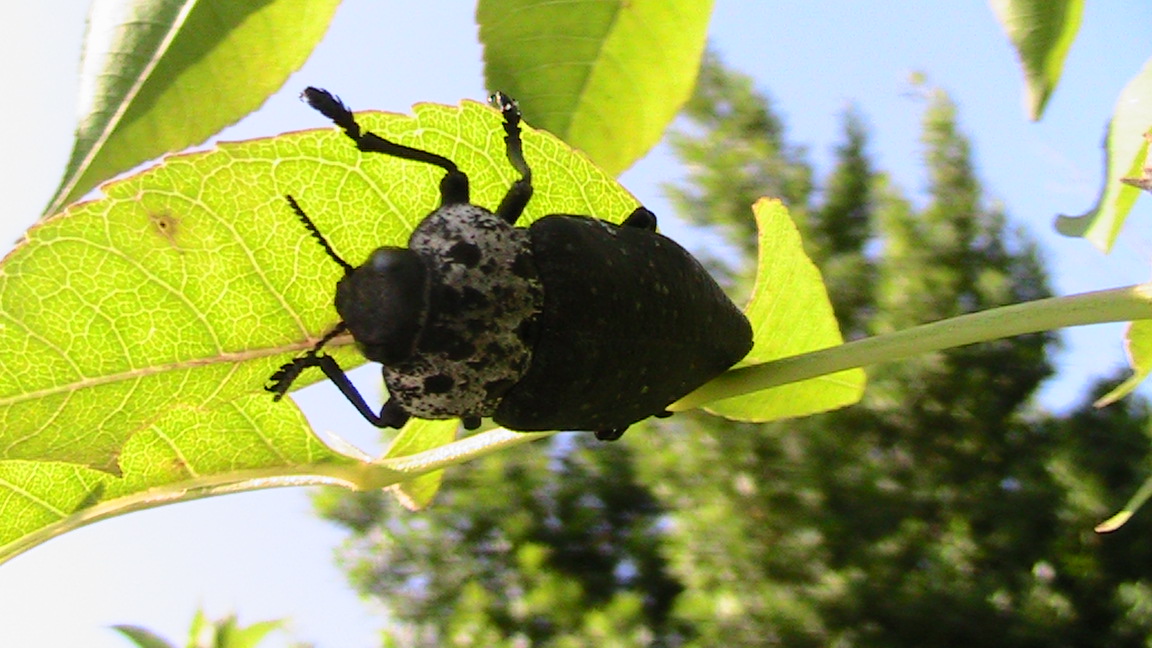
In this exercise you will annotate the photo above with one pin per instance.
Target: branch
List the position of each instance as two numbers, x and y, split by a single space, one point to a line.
1115 305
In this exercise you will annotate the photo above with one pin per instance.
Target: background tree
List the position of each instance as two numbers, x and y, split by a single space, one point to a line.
555 544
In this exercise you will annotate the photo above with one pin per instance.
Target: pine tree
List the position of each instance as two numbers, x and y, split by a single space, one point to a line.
900 520
554 544
734 153
1098 458
841 227
937 530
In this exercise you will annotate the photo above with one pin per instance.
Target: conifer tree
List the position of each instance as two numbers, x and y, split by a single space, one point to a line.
553 544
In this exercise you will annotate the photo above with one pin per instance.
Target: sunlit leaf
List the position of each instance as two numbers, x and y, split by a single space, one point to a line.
418 436
1139 499
142 637
1042 31
161 75
1138 341
605 76
189 283
183 454
230 634
1125 151
790 315
1144 180
141 327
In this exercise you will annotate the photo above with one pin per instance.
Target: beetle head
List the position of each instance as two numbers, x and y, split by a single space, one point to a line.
384 303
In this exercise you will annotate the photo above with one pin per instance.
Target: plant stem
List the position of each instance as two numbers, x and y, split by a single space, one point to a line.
1114 305
466 449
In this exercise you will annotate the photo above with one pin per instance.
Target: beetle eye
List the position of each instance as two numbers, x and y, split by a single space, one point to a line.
384 303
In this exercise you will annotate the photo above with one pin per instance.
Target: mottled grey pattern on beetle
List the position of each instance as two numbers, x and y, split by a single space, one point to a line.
485 296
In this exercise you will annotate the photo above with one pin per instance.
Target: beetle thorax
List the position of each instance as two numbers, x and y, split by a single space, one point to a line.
483 300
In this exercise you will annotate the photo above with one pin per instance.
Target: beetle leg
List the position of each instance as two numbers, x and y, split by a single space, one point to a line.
613 434
454 186
392 414
282 379
610 434
520 192
642 218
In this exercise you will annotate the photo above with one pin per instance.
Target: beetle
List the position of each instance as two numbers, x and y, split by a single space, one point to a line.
570 323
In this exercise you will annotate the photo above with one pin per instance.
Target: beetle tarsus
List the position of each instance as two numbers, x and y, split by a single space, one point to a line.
280 381
331 107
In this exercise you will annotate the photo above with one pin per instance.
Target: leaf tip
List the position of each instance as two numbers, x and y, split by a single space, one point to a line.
1113 523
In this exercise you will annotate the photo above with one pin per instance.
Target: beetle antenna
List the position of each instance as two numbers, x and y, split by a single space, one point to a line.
454 186
315 231
288 372
520 192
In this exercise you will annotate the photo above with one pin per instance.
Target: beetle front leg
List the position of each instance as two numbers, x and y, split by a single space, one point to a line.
392 414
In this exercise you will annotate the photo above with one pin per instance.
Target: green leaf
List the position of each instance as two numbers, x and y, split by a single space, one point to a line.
184 454
605 76
141 327
190 283
142 637
1139 499
1138 340
1144 180
1125 152
229 634
790 314
1042 31
161 75
420 436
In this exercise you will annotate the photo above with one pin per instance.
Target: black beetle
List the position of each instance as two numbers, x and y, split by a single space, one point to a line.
572 323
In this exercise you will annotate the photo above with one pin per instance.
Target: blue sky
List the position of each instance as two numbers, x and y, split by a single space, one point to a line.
264 555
